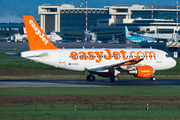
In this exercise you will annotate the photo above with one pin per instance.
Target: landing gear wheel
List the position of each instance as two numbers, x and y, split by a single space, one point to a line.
153 78
114 79
90 78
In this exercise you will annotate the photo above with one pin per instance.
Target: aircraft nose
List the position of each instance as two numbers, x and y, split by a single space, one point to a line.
173 63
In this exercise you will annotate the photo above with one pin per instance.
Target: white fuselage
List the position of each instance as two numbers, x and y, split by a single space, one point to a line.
82 59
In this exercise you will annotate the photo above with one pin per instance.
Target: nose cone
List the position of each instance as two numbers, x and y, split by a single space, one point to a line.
173 63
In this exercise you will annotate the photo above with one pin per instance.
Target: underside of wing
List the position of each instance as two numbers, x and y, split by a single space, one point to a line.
115 66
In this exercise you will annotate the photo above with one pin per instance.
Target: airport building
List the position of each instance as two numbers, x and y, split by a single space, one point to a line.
68 19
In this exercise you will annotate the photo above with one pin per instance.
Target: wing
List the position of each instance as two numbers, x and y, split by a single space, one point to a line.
129 62
112 66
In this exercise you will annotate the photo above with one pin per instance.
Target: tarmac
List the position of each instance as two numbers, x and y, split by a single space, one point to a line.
84 83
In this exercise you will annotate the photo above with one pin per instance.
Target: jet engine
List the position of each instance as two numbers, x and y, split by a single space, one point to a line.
142 71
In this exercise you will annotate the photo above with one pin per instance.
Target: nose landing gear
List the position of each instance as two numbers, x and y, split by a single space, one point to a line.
153 79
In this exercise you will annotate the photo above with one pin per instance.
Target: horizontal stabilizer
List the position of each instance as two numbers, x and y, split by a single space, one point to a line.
10 53
42 55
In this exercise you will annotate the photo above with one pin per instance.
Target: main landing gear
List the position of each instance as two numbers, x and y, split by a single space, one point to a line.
90 78
114 78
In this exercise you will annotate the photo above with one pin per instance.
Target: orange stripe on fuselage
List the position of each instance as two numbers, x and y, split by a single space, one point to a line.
108 55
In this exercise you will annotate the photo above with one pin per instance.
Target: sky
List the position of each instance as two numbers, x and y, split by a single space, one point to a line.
12 10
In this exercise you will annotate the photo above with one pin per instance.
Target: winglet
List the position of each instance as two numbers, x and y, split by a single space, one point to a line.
37 39
127 32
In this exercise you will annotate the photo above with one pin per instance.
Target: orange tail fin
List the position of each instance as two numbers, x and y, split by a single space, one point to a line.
37 39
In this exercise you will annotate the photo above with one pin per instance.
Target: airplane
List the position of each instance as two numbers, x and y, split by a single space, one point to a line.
136 38
113 40
52 36
140 62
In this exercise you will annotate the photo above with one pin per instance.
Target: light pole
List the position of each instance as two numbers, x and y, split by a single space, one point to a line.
177 17
152 3
86 15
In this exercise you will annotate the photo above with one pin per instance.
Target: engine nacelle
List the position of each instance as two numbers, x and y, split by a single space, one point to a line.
142 71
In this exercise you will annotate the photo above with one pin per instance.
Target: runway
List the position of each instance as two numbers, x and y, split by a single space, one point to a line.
83 83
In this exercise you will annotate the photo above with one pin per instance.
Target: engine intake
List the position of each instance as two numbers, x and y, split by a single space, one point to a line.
142 71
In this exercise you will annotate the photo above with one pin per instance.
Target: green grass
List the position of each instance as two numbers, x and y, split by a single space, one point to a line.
40 111
22 64
132 91
158 108
130 109
3 55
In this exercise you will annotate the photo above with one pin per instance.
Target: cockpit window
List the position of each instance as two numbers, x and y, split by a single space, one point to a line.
167 55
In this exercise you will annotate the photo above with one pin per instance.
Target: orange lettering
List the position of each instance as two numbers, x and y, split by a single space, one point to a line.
139 53
123 54
150 55
132 55
107 57
116 55
74 55
91 56
99 56
82 55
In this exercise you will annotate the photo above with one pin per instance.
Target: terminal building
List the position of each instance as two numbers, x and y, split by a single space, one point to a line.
70 21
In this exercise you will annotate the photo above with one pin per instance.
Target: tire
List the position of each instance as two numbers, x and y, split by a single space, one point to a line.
114 79
90 78
153 78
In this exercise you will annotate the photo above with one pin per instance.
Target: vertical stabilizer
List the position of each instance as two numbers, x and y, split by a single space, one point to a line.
127 32
37 39
113 37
